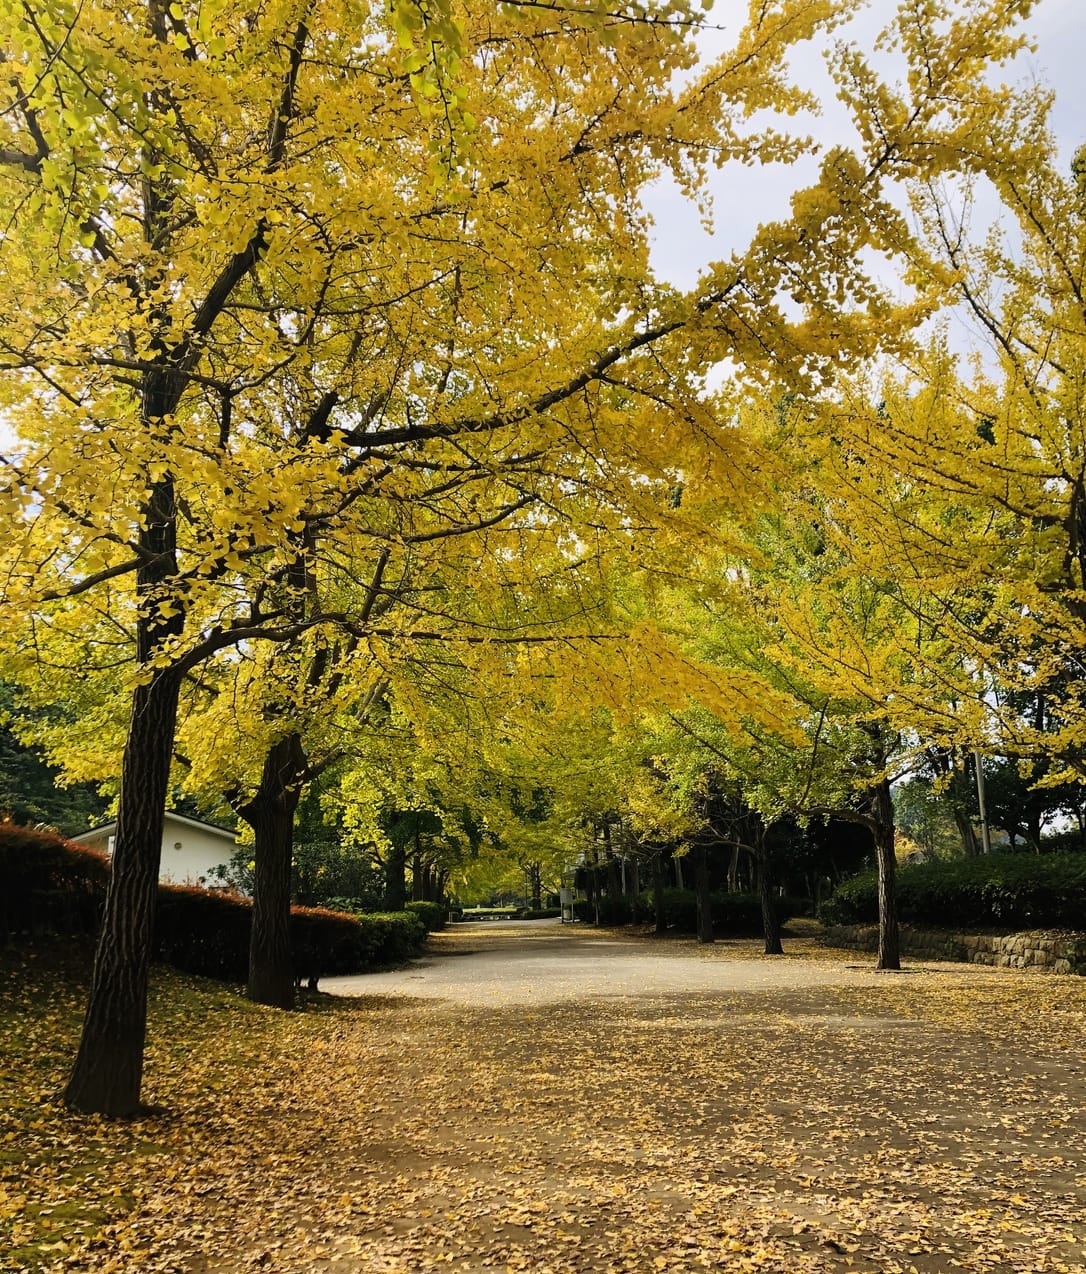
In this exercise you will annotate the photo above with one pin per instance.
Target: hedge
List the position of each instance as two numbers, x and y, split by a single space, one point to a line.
432 914
998 891
327 943
55 886
733 915
50 885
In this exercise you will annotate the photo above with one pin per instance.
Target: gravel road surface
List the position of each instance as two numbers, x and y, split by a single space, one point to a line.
492 963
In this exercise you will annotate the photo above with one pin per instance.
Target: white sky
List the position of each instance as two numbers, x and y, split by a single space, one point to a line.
747 197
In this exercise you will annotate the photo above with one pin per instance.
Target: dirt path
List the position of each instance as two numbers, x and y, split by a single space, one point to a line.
529 1098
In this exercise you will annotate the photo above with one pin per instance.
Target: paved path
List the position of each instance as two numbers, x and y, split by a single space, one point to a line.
493 963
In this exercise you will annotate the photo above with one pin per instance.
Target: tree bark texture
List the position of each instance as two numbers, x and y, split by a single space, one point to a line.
733 871
771 921
701 888
883 810
270 814
967 833
658 891
614 879
395 879
108 1072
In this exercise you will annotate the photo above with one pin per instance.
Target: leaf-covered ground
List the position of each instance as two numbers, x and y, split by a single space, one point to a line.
928 1121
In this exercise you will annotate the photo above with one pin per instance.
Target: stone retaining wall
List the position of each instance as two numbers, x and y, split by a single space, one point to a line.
1036 949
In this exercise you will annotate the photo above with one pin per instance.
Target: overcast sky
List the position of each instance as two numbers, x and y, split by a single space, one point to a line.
747 197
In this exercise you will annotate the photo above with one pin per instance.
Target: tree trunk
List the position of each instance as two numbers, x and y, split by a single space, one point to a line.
701 886
658 891
968 834
614 880
733 871
108 1070
882 806
270 814
271 963
771 921
535 879
395 879
678 863
1034 822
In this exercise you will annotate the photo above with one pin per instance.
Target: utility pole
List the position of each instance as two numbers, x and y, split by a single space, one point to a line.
985 834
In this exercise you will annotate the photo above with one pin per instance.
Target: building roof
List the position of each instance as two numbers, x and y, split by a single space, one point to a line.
171 817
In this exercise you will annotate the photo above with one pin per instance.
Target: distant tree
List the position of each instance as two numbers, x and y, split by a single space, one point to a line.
927 817
31 791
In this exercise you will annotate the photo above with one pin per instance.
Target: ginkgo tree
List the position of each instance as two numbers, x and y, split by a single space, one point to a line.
266 270
958 480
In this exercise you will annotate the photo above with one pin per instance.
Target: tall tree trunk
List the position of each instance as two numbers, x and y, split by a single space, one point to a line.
592 881
395 879
771 921
733 871
658 891
270 814
1033 821
614 880
967 833
882 806
535 879
108 1070
701 887
678 864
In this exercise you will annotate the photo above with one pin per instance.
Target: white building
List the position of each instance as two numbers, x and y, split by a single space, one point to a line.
190 848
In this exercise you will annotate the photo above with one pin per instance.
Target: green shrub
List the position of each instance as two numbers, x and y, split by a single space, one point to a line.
326 943
208 933
679 905
352 906
432 914
998 891
606 910
736 915
543 913
733 915
392 937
